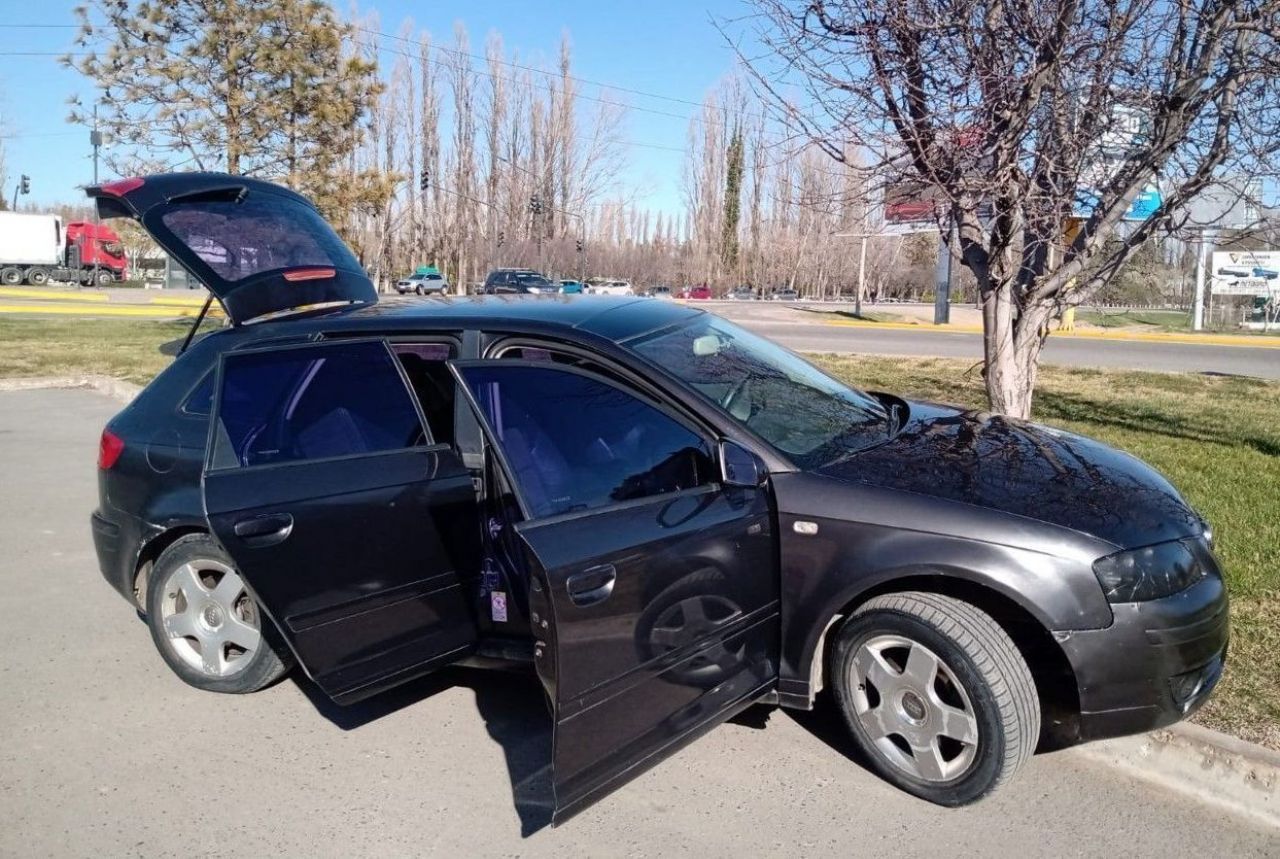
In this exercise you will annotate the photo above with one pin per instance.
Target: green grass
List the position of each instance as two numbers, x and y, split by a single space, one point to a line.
1217 438
870 315
1151 320
127 349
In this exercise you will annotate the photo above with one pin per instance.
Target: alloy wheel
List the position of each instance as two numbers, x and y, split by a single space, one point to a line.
211 622
913 708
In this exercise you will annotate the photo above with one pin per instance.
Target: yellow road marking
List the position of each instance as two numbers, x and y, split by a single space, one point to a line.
138 310
1245 340
52 294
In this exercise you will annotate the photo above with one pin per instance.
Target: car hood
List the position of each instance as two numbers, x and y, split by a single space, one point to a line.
1024 469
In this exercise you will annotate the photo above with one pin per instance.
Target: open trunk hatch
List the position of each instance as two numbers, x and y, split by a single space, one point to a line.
260 248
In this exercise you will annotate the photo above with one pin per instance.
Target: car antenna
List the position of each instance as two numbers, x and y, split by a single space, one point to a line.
195 326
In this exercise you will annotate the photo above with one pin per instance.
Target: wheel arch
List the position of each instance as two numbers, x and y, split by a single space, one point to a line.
1055 679
150 550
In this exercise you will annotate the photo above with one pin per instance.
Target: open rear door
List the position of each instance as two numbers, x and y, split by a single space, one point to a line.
654 588
347 524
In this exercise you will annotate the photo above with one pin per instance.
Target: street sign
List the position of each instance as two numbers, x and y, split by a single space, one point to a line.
1245 273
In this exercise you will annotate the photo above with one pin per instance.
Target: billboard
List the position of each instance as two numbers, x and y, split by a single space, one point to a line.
1245 273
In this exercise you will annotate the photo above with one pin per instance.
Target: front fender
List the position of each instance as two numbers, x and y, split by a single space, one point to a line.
866 538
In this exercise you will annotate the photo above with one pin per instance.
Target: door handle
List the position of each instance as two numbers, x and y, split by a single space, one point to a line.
592 585
268 530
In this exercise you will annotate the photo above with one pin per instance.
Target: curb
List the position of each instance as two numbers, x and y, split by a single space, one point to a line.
116 389
1212 767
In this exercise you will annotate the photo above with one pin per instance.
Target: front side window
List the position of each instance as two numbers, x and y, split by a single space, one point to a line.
242 235
782 398
575 442
310 403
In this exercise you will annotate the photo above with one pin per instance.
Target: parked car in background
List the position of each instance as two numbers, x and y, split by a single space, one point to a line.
661 516
661 292
742 293
571 287
785 294
603 286
518 281
424 281
702 292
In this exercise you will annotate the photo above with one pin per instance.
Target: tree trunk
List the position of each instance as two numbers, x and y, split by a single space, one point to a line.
1011 341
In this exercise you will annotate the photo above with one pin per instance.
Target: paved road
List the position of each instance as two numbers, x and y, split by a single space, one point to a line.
1129 355
104 752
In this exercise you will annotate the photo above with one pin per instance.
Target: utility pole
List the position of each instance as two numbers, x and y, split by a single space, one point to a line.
95 140
1202 260
942 275
862 277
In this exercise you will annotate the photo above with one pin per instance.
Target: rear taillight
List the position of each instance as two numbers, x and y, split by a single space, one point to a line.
110 446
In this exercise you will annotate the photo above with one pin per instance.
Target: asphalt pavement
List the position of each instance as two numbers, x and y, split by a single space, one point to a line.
796 329
106 753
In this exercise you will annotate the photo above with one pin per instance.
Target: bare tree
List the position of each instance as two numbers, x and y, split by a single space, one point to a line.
1003 112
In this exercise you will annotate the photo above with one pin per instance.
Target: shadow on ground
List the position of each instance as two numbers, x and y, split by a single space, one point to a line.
515 712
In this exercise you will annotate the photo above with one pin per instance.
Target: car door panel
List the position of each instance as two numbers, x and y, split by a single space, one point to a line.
687 634
363 582
654 618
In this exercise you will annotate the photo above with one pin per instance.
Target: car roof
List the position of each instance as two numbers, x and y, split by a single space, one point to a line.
612 317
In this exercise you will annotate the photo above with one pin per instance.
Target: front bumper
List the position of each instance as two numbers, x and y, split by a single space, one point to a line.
1155 665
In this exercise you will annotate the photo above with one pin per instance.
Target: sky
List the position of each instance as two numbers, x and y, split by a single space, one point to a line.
665 47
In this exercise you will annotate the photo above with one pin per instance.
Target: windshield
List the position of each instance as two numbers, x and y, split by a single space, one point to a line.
255 232
785 400
536 281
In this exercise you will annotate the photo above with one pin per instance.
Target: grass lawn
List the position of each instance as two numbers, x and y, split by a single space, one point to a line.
1147 320
1217 438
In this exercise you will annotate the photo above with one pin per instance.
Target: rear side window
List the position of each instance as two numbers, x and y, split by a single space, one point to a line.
311 403
575 442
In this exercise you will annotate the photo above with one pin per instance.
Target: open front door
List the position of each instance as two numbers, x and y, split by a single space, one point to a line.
654 588
347 524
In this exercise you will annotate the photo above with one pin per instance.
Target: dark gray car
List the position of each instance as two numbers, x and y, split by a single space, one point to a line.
666 518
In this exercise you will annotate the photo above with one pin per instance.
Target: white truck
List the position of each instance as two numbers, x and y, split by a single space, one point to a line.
38 248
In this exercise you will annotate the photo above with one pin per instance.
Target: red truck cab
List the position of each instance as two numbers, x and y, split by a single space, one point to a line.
98 245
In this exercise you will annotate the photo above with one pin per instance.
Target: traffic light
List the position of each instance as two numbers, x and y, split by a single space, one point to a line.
535 204
502 236
424 179
579 245
25 186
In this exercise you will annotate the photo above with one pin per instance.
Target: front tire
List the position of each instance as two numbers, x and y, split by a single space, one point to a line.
206 625
936 695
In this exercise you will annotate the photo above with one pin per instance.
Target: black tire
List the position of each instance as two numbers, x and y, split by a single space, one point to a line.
102 277
996 690
264 665
37 276
10 276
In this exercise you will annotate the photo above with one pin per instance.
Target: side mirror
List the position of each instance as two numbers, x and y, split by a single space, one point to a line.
740 467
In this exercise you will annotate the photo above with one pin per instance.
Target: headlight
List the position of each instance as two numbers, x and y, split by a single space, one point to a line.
1149 573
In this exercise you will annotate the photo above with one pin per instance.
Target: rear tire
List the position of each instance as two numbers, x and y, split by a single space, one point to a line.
207 627
37 276
10 276
936 695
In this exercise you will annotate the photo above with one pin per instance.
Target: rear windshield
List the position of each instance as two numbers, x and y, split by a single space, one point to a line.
256 233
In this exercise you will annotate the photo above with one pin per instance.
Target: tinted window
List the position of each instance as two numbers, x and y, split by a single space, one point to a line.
256 233
312 403
200 401
576 443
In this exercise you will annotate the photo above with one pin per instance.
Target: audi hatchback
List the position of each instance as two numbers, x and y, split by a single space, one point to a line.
665 517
